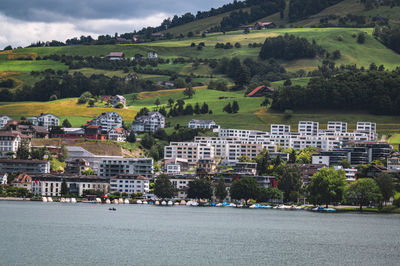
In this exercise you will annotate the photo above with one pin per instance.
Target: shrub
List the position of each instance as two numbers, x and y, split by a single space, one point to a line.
288 113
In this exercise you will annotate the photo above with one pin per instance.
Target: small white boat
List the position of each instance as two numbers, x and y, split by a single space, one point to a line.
176 203
44 199
62 200
157 202
49 199
98 200
183 202
120 201
126 201
67 200
139 202
108 201
145 202
163 203
170 203
252 206
73 200
115 201
218 205
232 205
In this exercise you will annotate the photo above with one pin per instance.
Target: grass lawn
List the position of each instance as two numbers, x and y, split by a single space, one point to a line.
296 81
30 65
394 139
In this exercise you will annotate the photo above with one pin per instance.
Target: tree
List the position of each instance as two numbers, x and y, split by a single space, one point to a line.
269 194
244 159
361 38
131 137
64 153
290 183
287 82
197 109
23 150
163 187
288 113
220 190
91 102
200 189
385 184
364 191
85 97
147 141
245 188
227 108
53 97
262 160
157 102
344 163
66 123
189 92
64 188
170 102
204 108
292 156
88 171
235 107
327 186
8 47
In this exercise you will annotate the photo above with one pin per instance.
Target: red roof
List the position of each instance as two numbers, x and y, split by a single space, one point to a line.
259 88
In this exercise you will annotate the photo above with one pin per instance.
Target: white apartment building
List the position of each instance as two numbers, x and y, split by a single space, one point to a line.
50 184
107 121
45 119
279 129
119 166
236 133
337 126
3 178
9 142
117 134
191 151
308 128
128 183
393 164
149 123
3 120
368 128
349 172
209 124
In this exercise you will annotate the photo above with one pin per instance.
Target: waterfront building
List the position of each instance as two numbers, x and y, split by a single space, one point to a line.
129 183
134 166
24 166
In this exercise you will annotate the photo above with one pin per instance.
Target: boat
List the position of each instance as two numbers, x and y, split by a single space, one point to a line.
224 204
213 204
232 205
139 202
145 202
120 201
112 209
219 205
115 201
157 202
163 203
176 203
170 203
62 200
73 200
253 206
268 207
98 200
49 199
44 199
126 201
67 200
330 210
183 202
108 201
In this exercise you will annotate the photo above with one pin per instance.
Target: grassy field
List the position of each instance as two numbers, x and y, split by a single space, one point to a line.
66 108
394 139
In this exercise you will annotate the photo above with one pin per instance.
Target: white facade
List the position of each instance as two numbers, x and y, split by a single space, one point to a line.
149 123
279 129
45 120
308 128
3 120
191 151
393 164
9 142
337 126
117 134
368 128
130 184
209 124
3 178
173 168
349 172
152 55
24 166
320 159
107 120
118 99
119 166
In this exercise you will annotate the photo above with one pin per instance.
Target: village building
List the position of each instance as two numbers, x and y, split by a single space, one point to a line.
152 55
206 166
77 166
129 184
23 181
190 151
3 179
175 166
117 134
208 124
45 120
393 164
138 57
148 123
27 129
24 166
116 56
9 142
136 166
261 91
259 25
4 120
106 121
118 99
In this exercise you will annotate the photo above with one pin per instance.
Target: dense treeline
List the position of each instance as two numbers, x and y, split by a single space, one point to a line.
299 9
373 90
289 47
389 37
258 10
244 72
63 85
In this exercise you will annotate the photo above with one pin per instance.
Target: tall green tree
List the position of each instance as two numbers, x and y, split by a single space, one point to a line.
385 184
235 107
200 189
220 190
244 189
131 137
290 183
64 153
157 102
327 186
263 162
268 194
227 108
23 150
364 191
189 91
64 188
66 123
163 188
170 102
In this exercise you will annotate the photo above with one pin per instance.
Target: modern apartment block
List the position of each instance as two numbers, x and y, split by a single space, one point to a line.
279 129
191 151
24 166
308 128
129 183
337 126
118 166
46 120
368 128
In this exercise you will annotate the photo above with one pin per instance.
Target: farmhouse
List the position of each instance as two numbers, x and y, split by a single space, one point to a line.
116 56
118 99
261 91
152 55
117 134
259 26
26 129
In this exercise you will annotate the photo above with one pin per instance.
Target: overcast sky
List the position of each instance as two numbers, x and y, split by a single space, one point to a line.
25 21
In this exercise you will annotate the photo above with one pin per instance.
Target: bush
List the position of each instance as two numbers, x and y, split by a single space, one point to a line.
119 106
288 113
396 200
339 38
53 97
361 38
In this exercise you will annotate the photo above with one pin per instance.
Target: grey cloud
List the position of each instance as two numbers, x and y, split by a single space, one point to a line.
62 10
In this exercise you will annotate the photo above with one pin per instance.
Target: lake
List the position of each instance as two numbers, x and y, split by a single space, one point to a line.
36 233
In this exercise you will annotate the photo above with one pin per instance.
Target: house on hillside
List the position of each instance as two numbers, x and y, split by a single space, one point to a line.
261 91
117 134
116 56
45 120
152 55
3 120
259 26
106 121
209 124
118 99
148 123
137 57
